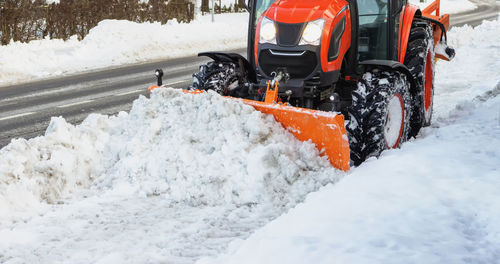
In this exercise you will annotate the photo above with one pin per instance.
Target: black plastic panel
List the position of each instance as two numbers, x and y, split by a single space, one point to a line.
289 34
299 67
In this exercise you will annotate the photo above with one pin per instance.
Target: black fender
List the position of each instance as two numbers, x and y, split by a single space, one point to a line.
234 58
389 65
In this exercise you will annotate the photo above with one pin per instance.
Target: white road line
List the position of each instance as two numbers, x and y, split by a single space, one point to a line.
73 104
131 92
16 116
169 84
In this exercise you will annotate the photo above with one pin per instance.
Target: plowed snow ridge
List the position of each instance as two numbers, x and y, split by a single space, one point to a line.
186 173
196 150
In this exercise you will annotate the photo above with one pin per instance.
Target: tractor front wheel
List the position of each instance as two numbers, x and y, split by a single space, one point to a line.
225 78
379 117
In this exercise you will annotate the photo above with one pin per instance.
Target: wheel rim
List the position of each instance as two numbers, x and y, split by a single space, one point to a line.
394 121
428 87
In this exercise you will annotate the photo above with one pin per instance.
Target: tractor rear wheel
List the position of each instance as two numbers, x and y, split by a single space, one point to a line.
419 59
379 115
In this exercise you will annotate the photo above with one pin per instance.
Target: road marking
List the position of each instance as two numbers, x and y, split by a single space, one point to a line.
73 104
169 84
16 116
131 92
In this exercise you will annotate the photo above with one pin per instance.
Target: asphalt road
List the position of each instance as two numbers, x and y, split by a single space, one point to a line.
26 109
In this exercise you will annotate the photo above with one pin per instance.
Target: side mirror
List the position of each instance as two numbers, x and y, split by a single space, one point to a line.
248 5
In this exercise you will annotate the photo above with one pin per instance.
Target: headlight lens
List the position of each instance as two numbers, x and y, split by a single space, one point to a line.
313 32
267 31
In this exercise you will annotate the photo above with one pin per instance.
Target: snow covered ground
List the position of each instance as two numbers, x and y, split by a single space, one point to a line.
435 200
181 177
177 178
185 177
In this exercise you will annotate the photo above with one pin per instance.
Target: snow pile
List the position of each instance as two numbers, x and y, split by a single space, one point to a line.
190 149
114 43
207 150
45 169
435 200
176 179
448 6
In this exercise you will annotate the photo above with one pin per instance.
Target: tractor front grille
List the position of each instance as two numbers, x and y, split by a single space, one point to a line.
289 34
299 67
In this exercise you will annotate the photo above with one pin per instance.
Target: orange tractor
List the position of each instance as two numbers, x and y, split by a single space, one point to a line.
314 63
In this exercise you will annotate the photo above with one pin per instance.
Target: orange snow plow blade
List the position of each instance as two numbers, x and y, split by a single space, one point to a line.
325 129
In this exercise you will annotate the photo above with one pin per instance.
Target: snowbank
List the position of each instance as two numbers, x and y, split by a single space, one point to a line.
206 150
448 6
435 200
176 179
114 43
45 169
196 150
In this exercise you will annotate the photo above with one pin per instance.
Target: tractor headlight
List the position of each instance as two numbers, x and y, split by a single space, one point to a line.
313 32
267 31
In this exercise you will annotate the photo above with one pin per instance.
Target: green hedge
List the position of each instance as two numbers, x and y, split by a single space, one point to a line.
26 20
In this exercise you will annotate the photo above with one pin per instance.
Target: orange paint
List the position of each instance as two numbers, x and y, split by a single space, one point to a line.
325 129
271 93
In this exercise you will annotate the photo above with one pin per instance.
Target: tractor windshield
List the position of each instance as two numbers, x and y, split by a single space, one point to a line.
372 29
367 8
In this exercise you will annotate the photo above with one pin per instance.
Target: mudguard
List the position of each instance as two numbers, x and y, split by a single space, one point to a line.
390 65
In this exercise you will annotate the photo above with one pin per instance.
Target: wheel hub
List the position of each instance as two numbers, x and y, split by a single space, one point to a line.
394 124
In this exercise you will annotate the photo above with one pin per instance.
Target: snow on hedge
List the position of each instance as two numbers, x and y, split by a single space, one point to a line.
435 200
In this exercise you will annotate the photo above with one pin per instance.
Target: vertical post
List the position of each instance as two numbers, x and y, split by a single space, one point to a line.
213 7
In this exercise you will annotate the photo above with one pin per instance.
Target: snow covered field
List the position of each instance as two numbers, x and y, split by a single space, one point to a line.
181 177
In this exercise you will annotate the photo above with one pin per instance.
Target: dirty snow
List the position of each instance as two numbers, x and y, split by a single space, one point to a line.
435 200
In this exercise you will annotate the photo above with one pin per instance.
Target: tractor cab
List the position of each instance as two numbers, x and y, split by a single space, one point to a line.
376 22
